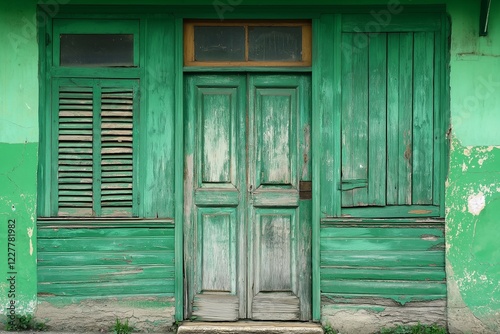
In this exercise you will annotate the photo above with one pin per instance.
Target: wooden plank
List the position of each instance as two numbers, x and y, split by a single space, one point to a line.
104 245
384 287
433 258
327 104
360 117
349 129
104 233
325 180
109 258
134 287
218 198
276 197
417 222
393 133
96 72
401 22
422 302
383 244
394 300
383 273
101 274
157 124
377 154
405 145
423 119
329 233
393 211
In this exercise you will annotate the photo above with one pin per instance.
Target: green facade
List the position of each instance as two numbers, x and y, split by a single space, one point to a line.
139 264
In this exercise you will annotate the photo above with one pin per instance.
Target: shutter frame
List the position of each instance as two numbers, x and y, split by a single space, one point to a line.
95 140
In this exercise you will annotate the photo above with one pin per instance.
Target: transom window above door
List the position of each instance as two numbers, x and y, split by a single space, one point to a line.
247 43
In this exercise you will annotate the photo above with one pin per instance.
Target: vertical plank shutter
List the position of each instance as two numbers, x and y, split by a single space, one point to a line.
387 119
95 174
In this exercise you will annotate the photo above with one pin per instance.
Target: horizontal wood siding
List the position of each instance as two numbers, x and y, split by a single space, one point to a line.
372 260
115 261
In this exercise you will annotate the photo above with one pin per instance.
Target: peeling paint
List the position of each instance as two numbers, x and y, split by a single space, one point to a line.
473 198
476 203
30 235
216 145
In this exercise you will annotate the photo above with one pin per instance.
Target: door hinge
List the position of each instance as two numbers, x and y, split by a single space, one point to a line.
47 39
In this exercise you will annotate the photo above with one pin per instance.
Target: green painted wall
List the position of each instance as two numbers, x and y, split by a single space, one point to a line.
472 195
473 188
18 152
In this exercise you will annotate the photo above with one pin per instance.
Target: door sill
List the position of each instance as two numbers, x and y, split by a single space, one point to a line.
250 327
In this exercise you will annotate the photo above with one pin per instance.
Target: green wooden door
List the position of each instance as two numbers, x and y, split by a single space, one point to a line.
247 197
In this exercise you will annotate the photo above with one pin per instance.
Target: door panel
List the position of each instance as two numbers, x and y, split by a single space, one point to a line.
247 229
214 182
276 103
274 142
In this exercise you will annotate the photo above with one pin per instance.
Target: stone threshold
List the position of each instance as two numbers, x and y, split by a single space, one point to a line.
250 327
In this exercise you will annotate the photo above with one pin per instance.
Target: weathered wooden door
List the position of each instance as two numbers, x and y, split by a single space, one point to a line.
247 197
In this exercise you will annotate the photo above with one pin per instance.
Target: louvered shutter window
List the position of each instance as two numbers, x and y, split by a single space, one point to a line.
95 140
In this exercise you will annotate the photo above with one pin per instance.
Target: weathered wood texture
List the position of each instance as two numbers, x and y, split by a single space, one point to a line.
279 222
248 232
388 130
92 262
94 124
157 161
214 197
367 260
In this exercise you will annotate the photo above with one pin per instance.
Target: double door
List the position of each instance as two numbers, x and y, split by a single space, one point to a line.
247 201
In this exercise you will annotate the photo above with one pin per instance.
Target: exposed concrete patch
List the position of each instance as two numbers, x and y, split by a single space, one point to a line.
99 315
376 314
460 318
476 203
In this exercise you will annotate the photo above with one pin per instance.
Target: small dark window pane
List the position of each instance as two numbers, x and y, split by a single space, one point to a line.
275 43
97 50
219 43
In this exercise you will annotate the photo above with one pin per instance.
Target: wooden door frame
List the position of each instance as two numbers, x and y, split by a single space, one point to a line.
191 182
298 13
